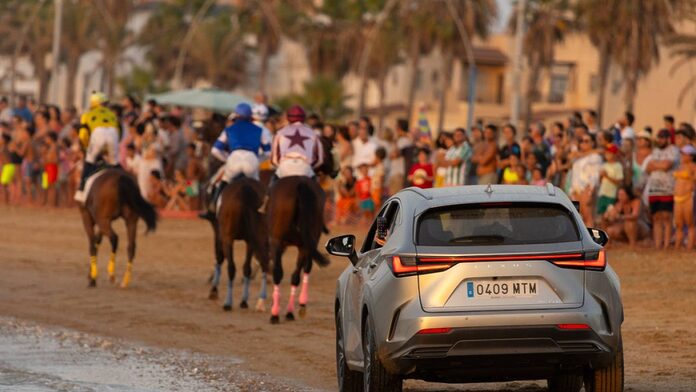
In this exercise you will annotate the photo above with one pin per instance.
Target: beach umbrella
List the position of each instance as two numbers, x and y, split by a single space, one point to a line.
216 100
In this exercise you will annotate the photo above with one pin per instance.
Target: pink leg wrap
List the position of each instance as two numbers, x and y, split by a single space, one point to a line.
304 293
275 309
291 301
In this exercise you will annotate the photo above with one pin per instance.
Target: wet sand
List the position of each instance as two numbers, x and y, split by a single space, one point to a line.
44 264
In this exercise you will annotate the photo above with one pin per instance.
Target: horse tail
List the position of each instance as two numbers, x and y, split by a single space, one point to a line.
129 193
250 203
306 215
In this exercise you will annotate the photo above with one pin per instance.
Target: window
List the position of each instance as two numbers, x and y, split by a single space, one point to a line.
594 84
496 224
559 82
391 213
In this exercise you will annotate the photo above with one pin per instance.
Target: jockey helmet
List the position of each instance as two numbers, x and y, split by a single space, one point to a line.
260 112
295 114
97 98
243 110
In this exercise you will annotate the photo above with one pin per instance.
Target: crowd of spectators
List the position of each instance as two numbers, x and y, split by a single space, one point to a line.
637 184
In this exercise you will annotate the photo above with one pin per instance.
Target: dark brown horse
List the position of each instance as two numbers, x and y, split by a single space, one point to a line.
296 218
113 194
238 218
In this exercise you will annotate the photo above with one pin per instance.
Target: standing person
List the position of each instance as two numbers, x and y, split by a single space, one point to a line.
668 120
421 173
591 122
362 188
540 148
585 178
640 161
515 172
50 162
660 187
5 110
344 148
476 141
23 111
510 147
442 145
624 127
378 174
685 183
68 118
345 195
457 159
364 147
401 157
624 219
486 157
6 166
99 137
611 178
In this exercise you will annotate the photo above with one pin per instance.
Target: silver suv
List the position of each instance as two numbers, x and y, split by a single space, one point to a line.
477 284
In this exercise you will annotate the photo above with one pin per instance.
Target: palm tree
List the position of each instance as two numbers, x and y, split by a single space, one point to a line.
39 42
114 35
548 23
597 19
477 17
639 27
77 38
683 47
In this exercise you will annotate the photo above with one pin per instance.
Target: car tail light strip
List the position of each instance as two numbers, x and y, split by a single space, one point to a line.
411 266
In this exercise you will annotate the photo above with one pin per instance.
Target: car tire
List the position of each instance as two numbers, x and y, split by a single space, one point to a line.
348 380
565 382
609 379
375 376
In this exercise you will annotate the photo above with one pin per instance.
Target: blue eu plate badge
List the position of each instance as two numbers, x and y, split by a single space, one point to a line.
470 289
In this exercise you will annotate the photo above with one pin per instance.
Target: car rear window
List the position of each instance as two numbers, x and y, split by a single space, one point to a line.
497 224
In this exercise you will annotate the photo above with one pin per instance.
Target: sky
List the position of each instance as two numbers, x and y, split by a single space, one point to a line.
505 7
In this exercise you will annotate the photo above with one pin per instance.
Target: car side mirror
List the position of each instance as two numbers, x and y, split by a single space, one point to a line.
343 246
598 236
576 204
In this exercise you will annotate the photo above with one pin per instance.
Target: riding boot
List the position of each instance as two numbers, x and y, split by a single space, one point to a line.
210 213
87 170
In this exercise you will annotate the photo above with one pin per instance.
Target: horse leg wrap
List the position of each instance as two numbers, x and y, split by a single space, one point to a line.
245 290
228 298
304 293
127 276
275 309
264 293
111 267
93 267
216 276
291 301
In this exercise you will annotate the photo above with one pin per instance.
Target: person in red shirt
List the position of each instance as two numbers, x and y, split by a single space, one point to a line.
421 173
363 189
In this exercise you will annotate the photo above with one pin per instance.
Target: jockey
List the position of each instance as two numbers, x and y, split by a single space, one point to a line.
99 137
238 146
259 112
297 150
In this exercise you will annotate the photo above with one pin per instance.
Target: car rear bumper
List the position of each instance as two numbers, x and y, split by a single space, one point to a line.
489 354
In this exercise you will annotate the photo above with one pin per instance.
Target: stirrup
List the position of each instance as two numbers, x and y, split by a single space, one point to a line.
80 196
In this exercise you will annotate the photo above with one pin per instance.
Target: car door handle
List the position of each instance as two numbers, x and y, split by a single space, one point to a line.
373 265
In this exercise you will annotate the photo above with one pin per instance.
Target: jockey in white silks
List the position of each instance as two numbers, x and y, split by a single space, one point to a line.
296 150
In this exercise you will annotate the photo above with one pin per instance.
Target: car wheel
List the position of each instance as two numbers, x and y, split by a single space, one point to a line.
609 379
565 382
348 380
375 376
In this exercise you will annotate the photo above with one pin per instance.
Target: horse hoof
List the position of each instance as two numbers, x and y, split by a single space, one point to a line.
227 308
92 283
290 316
213 294
261 305
275 320
244 305
303 311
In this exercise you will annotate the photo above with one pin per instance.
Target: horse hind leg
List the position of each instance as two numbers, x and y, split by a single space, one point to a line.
229 254
246 277
294 283
304 292
131 228
276 256
111 267
88 223
219 259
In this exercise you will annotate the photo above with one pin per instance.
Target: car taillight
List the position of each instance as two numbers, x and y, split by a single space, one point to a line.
573 326
407 266
434 331
592 261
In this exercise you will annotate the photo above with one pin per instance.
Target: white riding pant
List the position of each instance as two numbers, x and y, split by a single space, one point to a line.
241 162
294 167
103 141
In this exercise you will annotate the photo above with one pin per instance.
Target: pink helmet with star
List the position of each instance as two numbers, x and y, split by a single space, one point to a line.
295 114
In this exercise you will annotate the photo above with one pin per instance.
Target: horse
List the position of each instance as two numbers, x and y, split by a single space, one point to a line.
113 194
238 218
296 218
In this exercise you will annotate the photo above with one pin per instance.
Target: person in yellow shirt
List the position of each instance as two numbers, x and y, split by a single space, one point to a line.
99 138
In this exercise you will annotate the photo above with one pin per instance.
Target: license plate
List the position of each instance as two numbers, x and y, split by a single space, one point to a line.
502 288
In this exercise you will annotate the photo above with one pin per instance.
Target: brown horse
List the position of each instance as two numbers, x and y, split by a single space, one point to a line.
112 195
238 218
296 218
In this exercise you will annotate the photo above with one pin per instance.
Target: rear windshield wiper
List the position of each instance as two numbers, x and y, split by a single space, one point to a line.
487 239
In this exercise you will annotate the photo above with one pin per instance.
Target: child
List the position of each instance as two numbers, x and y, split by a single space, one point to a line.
50 160
8 168
156 195
611 176
515 172
378 176
345 195
538 176
421 173
684 186
363 190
